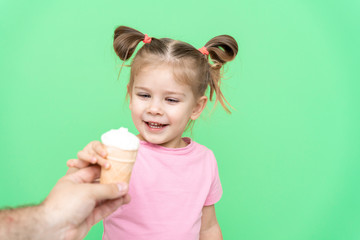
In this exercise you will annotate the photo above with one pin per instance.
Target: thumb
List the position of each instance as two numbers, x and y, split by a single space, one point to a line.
101 192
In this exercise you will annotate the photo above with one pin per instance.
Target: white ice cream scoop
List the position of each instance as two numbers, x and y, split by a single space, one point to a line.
120 138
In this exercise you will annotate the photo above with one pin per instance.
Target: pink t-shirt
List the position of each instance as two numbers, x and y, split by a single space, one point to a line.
168 189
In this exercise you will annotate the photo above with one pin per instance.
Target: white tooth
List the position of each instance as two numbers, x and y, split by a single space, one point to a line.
155 124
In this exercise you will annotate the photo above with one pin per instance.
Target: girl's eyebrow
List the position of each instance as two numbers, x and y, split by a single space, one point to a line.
167 92
175 93
141 88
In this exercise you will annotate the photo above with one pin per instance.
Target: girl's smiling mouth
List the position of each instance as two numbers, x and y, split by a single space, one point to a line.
155 125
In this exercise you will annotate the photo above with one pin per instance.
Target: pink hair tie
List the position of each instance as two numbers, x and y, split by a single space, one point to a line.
147 39
204 51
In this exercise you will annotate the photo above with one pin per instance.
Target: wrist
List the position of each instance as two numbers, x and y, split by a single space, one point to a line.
38 222
51 227
22 223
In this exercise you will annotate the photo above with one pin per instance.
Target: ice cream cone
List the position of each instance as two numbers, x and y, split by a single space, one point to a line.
122 162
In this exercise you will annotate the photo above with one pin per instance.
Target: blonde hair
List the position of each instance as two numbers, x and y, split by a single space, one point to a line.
189 65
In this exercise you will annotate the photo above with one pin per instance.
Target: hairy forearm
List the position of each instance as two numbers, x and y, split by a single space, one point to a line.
23 223
212 233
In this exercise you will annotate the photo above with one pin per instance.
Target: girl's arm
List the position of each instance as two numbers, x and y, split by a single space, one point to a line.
210 229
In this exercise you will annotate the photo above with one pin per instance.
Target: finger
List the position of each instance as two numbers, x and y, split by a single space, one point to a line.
77 163
101 192
91 156
84 175
69 163
104 210
99 148
127 199
103 162
87 157
100 154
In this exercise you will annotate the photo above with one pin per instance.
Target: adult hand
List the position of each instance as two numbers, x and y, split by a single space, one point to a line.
74 205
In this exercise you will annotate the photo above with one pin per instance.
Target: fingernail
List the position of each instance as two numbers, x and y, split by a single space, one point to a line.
107 165
122 187
93 160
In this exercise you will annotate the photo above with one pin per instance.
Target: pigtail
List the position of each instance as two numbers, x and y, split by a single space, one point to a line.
126 40
222 49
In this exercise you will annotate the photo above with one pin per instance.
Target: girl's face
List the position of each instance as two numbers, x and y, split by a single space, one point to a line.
161 107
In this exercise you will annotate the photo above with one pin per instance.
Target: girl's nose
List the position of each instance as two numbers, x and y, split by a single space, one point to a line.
155 108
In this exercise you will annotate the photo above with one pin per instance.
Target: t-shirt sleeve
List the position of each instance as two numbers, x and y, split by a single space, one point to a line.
215 191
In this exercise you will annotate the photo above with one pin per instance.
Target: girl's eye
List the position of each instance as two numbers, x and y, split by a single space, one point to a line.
143 95
172 100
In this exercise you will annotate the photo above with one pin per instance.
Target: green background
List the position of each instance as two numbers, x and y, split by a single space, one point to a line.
289 154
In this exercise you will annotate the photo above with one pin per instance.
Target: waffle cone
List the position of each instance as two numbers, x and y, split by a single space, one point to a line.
122 162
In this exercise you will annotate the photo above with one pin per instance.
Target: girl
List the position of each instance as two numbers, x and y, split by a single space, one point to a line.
175 181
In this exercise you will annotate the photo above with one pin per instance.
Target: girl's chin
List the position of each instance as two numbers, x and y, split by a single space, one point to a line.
152 140
170 144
